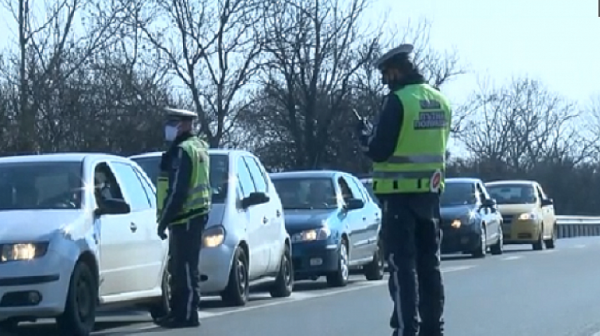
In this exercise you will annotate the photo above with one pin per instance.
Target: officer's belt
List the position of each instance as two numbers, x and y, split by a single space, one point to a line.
416 159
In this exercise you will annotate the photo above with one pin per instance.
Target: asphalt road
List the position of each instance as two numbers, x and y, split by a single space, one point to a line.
521 293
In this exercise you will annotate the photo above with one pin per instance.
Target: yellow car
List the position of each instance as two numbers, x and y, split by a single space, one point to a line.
527 213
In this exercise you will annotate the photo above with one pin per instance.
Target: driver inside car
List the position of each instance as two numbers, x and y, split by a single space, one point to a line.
320 194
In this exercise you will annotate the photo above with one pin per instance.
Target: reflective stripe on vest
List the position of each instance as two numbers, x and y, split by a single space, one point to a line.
421 147
417 159
403 175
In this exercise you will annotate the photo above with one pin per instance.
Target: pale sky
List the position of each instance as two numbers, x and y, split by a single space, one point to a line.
556 41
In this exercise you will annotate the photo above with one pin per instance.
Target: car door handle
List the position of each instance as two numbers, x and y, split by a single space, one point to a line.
265 220
133 227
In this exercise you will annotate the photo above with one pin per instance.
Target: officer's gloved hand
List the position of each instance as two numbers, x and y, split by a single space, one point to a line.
161 233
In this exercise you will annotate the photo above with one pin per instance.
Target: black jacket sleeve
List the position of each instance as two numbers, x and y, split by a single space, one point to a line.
180 174
382 142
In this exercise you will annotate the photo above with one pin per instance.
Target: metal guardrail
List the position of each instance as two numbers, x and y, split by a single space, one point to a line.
578 226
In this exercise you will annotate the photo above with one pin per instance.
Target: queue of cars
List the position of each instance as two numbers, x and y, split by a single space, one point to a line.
79 231
478 217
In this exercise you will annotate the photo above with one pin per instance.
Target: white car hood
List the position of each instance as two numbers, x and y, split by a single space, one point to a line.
35 225
215 217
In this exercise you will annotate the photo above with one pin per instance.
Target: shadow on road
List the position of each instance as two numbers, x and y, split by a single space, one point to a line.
318 285
523 249
451 257
49 329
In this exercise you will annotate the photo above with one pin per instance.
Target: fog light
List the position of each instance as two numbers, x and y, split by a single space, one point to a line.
316 262
34 297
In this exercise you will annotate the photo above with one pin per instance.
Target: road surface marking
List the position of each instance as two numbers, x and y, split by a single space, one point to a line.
580 246
456 268
302 296
547 251
511 258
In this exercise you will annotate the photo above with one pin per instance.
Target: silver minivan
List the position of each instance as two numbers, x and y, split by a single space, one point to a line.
245 239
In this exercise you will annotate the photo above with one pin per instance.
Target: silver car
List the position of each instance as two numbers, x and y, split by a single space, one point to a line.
245 238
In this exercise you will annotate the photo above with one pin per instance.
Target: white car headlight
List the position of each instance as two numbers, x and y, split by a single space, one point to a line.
321 233
22 251
213 236
527 216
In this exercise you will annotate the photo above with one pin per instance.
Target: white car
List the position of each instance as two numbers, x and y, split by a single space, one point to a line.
77 230
245 237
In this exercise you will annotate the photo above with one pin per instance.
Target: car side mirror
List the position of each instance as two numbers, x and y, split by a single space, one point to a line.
547 201
489 203
255 198
112 207
354 204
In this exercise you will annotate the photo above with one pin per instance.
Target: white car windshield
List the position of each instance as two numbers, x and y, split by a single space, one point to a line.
40 185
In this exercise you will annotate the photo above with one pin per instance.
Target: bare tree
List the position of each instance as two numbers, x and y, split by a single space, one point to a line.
439 67
50 51
212 47
523 124
316 50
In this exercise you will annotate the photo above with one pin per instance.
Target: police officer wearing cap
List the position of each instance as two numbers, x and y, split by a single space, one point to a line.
183 201
408 146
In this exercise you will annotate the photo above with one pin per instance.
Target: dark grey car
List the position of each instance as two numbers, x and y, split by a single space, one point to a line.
470 221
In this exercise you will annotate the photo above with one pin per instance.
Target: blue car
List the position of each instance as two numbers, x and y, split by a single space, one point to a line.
334 224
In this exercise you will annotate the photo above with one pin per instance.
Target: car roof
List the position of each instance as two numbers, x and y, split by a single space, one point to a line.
462 180
306 173
60 157
493 183
210 151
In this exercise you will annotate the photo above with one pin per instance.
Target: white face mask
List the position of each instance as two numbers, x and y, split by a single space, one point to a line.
171 132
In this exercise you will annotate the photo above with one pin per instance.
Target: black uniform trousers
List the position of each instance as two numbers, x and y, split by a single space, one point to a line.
412 240
185 241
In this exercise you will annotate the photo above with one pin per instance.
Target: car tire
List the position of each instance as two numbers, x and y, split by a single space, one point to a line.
339 278
551 243
238 290
498 248
80 309
481 249
284 282
9 325
539 243
162 307
375 269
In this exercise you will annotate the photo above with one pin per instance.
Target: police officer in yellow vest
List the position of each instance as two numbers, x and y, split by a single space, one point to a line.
408 146
183 201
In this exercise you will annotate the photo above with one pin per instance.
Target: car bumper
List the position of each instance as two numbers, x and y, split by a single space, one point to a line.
463 239
521 231
20 281
314 258
215 264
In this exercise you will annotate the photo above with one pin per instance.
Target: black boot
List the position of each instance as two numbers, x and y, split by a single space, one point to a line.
161 320
175 323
